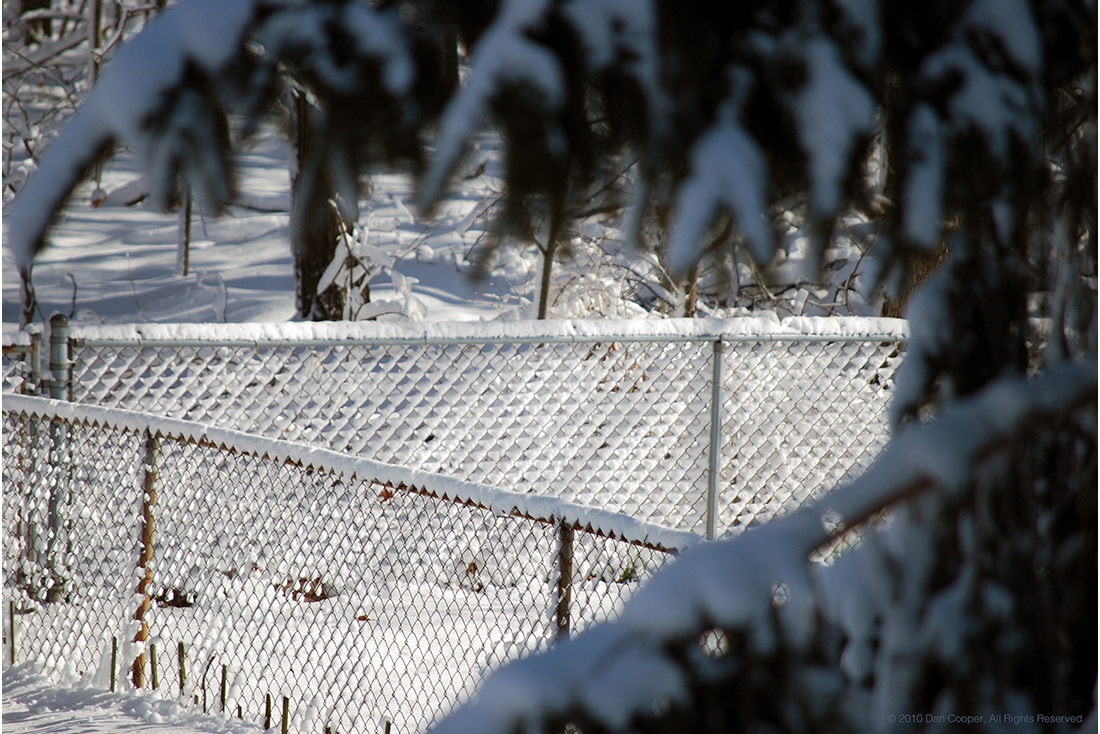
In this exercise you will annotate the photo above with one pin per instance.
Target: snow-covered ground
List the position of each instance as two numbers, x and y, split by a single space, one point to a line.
116 263
35 703
113 262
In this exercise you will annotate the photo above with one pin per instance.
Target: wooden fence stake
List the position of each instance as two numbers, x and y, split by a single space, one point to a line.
183 253
565 579
267 711
183 667
223 689
149 498
286 714
114 662
204 673
153 664
11 626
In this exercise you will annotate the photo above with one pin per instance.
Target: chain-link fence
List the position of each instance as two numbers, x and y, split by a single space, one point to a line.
255 576
617 415
21 361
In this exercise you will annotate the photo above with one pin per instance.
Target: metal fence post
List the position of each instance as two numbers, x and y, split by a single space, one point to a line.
59 487
715 438
32 386
149 498
29 463
565 579
59 357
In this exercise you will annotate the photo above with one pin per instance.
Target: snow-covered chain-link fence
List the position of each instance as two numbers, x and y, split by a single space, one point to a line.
240 572
647 418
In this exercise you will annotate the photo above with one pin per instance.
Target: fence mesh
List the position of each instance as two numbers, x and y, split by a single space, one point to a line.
257 578
618 424
799 418
16 369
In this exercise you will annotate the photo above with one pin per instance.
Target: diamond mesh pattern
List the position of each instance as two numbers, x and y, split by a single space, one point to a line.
68 545
799 418
16 369
622 425
619 426
355 600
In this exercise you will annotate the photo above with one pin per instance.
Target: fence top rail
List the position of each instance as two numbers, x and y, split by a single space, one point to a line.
20 340
500 501
301 334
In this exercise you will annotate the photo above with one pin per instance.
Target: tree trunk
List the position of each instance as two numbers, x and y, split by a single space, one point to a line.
314 226
920 268
691 297
95 33
547 272
450 57
27 298
557 214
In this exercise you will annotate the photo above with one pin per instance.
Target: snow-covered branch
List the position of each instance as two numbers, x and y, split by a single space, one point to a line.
46 51
168 90
128 103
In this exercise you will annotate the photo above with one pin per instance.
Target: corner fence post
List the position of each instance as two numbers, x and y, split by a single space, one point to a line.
59 357
153 664
715 438
58 486
565 579
149 498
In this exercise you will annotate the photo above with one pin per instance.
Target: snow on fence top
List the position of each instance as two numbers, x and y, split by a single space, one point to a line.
550 331
500 501
17 339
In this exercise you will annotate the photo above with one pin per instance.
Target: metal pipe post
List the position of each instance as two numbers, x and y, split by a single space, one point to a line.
59 357
715 438
33 387
58 459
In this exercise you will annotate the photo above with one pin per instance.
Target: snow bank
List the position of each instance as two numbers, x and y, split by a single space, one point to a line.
499 501
746 329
